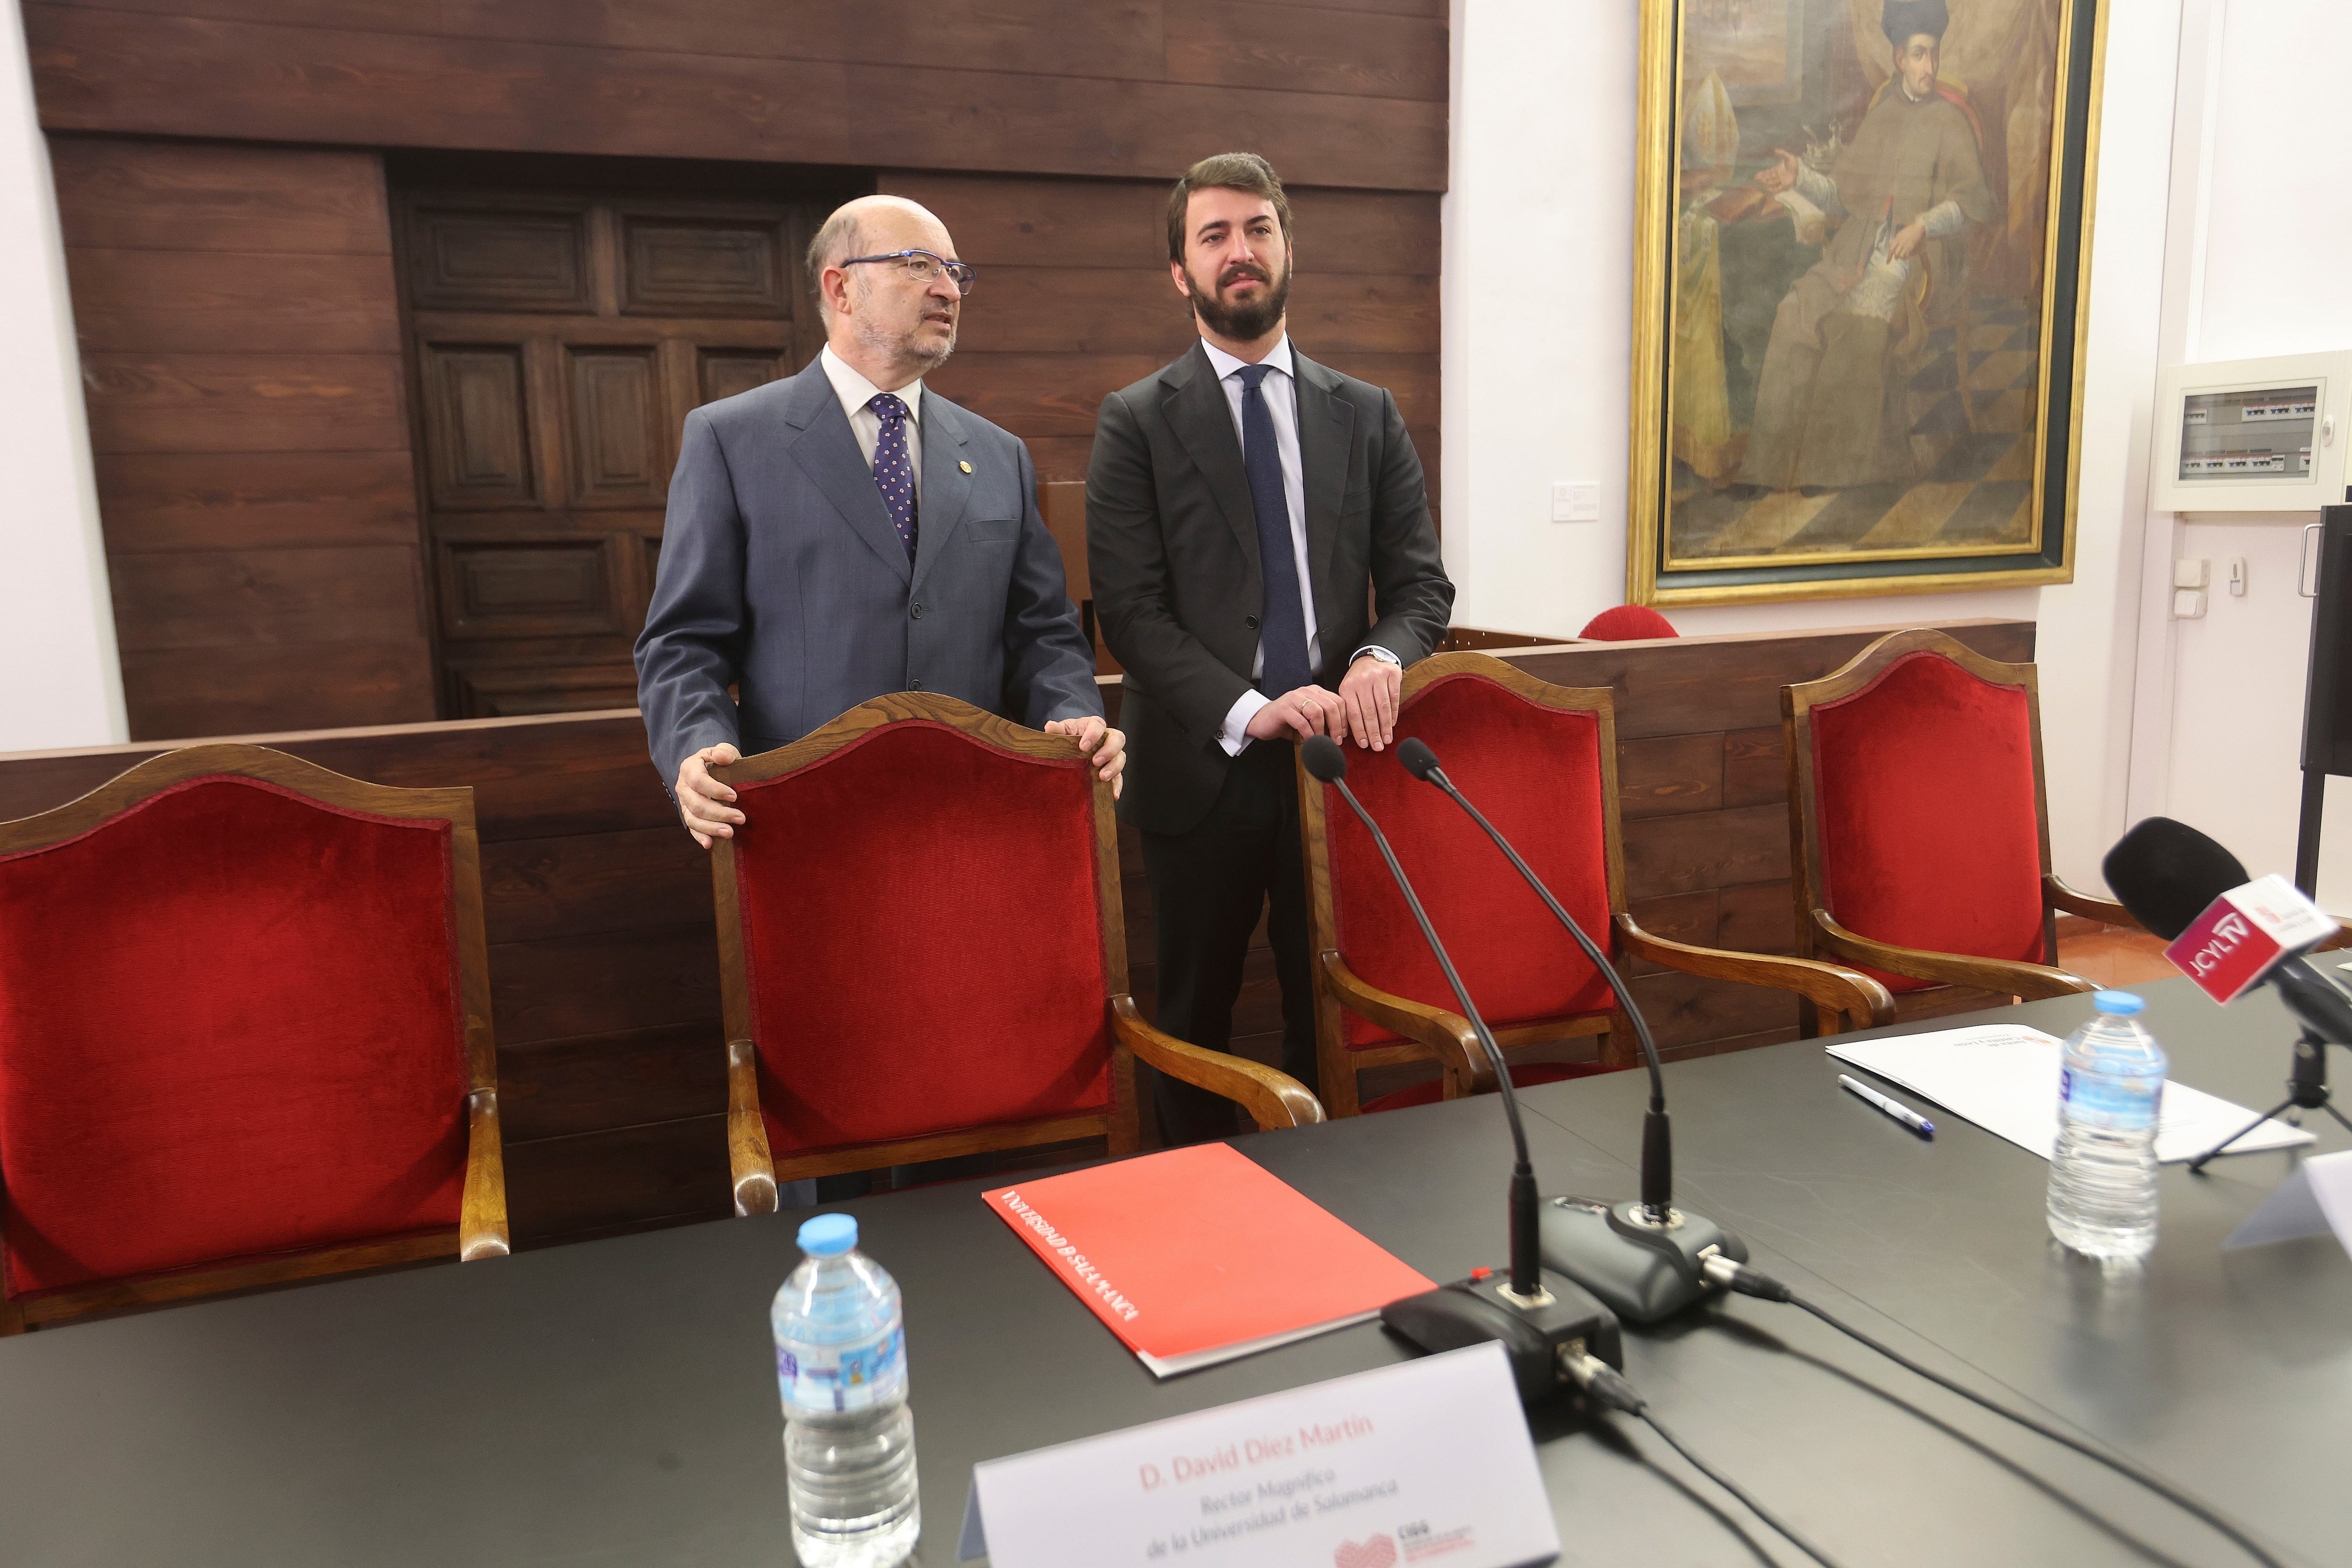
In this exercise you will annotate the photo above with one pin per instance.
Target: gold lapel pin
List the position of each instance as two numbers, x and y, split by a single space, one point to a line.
965 467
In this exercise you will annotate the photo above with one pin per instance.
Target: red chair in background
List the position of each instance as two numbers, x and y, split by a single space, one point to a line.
1627 623
1541 761
922 954
245 1034
1921 827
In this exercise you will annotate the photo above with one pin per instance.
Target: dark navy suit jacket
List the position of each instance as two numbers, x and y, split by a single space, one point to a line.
781 573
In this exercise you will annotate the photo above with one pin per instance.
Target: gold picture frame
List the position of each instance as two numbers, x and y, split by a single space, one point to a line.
1960 481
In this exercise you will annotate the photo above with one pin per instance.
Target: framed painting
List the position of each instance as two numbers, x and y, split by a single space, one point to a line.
1862 241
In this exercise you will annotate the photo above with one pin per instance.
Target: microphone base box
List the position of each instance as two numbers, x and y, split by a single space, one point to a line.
1641 1272
1534 1337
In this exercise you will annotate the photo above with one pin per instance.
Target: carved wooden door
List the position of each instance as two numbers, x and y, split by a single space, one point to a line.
559 342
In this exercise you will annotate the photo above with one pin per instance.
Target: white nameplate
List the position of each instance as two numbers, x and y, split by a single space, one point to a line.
1425 1462
2314 1201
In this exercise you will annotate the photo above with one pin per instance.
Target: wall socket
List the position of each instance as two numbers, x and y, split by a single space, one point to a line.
1575 502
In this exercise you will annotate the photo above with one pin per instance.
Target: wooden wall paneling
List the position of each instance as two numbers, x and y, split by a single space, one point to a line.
242 364
1234 43
317 82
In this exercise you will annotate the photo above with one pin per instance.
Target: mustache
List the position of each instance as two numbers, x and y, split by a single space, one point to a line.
1241 269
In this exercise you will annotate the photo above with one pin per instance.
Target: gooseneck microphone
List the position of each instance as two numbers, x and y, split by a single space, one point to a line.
1657 1133
1648 1259
1534 1317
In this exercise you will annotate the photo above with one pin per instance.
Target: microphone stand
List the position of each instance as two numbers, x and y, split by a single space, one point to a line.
1550 1324
2306 1088
1647 1259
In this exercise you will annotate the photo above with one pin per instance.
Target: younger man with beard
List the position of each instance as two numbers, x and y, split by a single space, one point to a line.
1241 507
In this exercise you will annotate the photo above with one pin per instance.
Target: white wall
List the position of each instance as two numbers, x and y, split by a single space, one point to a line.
1537 297
2261 270
62 686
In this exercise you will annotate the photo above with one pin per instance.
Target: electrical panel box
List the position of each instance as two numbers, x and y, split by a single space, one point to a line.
2253 435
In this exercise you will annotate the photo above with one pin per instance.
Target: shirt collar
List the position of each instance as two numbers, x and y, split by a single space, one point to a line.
855 392
1278 358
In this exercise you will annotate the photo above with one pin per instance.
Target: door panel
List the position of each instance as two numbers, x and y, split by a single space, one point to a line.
559 342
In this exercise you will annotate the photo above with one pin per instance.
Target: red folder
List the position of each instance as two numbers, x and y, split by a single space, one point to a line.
1200 1255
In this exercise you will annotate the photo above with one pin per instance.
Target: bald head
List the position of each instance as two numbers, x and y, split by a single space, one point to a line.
853 229
892 325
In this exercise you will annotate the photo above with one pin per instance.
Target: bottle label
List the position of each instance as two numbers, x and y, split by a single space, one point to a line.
2117 1104
843 1378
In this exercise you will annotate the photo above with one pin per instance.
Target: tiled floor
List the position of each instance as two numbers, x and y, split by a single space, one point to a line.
1974 485
2113 956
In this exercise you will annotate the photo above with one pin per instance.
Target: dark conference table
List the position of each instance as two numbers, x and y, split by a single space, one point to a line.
614 1402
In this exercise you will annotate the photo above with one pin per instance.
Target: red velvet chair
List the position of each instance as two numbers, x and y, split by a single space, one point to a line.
922 952
1921 828
245 1034
1541 762
1627 623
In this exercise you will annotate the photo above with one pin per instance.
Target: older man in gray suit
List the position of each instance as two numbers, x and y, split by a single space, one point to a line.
843 533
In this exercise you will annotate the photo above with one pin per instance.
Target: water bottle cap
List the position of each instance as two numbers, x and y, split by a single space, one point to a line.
828 1235
2117 1002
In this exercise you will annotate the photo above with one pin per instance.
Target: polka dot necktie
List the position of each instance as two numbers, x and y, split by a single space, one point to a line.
893 471
1282 629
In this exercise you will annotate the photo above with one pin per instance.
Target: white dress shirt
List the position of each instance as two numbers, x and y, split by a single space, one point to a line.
855 392
1280 389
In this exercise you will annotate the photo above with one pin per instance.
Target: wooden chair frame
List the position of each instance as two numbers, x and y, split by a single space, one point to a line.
481 1229
1819 930
1272 1098
1434 1032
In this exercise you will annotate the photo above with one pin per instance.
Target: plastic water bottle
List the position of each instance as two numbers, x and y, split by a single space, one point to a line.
2103 1175
849 1439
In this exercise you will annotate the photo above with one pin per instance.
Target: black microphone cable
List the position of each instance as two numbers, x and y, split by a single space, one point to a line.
1605 1385
1749 1282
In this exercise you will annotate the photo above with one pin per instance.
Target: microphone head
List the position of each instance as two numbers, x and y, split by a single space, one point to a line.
1324 758
2165 872
1418 759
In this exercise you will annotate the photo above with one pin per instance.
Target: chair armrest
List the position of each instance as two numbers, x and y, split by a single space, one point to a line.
482 1211
1863 1003
749 1168
2107 911
1273 1098
1447 1034
2034 982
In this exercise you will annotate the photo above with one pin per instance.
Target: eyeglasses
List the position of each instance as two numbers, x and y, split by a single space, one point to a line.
924 268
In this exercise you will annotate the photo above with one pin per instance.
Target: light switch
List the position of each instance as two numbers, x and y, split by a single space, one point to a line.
2188 604
2190 573
1575 502
2238 577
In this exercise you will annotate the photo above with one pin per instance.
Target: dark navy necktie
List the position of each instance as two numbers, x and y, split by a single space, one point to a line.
1282 620
894 470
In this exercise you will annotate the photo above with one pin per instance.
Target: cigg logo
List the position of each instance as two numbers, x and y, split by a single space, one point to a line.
1380 1551
2228 932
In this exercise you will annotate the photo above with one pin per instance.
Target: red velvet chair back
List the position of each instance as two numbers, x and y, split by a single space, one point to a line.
1539 761
237 1023
1627 623
1928 828
923 931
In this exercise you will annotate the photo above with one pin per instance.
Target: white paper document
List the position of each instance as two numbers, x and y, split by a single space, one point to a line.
2314 1201
2004 1077
1429 1462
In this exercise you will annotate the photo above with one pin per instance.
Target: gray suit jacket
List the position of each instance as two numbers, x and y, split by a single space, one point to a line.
781 573
1171 546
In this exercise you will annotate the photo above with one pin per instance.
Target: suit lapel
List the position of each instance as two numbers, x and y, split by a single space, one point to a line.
826 449
1326 428
947 488
1195 408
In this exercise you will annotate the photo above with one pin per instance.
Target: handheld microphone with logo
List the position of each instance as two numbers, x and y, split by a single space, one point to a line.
1545 1324
1647 1259
2230 932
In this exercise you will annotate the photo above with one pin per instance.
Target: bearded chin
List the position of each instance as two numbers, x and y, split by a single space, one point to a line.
1244 322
